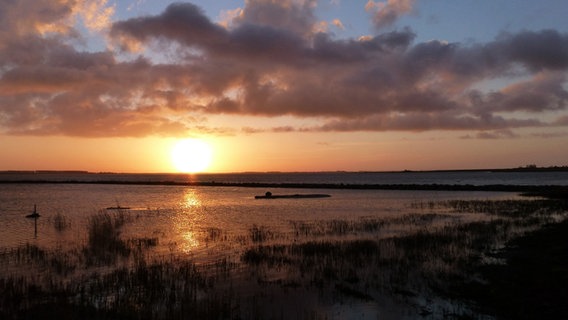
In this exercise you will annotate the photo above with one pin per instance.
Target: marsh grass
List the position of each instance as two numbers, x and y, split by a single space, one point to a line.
213 234
336 227
349 260
422 263
259 234
365 225
104 243
60 222
509 208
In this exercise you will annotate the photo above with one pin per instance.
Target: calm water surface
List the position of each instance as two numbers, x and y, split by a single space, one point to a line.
183 217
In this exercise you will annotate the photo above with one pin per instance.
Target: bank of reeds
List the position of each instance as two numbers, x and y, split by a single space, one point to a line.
164 290
424 263
439 252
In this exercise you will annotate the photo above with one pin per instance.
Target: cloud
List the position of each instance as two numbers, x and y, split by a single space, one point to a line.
544 91
386 13
291 15
182 22
25 17
425 122
550 135
96 14
542 50
338 24
498 134
562 121
269 61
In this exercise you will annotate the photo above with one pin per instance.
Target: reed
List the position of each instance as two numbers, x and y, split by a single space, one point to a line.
213 234
104 243
60 222
511 208
260 234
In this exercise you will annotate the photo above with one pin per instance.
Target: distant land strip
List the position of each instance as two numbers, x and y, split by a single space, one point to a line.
527 168
558 191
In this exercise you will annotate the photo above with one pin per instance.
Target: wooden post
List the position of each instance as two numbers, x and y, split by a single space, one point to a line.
34 216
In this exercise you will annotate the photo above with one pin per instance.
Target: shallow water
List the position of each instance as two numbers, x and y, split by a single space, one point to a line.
184 217
216 227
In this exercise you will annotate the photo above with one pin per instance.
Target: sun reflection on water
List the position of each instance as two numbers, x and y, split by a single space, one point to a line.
186 222
191 200
190 242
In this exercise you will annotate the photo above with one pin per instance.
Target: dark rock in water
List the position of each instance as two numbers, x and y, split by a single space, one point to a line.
269 195
118 208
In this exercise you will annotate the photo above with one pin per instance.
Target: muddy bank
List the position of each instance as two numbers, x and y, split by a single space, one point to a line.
534 282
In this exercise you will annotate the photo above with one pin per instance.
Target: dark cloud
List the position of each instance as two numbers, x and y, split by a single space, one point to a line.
252 42
270 61
544 92
541 50
293 16
182 22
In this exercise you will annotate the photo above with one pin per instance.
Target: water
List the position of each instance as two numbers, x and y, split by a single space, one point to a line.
191 211
181 216
209 224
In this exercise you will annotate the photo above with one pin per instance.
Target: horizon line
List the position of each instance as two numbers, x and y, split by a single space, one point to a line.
520 168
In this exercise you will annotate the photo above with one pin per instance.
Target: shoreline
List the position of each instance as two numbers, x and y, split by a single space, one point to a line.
517 169
555 191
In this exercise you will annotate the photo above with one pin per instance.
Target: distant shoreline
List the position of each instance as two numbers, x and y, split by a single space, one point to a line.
529 168
557 191
218 180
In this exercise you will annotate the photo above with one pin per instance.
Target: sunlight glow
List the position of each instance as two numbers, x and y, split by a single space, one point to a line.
191 155
190 242
191 201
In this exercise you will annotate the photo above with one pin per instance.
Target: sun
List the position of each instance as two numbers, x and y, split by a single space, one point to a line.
191 155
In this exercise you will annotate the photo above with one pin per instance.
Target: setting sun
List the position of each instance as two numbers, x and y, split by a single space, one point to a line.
191 155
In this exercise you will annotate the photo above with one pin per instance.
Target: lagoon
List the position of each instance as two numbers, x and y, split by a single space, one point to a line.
216 252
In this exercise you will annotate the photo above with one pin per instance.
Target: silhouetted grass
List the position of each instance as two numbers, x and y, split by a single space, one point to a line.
511 208
422 263
336 227
260 234
155 291
213 234
60 222
104 242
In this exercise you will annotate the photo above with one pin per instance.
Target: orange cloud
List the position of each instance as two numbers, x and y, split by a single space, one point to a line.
386 13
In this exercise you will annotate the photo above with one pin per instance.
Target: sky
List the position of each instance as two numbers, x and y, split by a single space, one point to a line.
287 85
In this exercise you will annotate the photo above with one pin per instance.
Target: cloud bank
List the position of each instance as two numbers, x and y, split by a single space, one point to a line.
165 74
